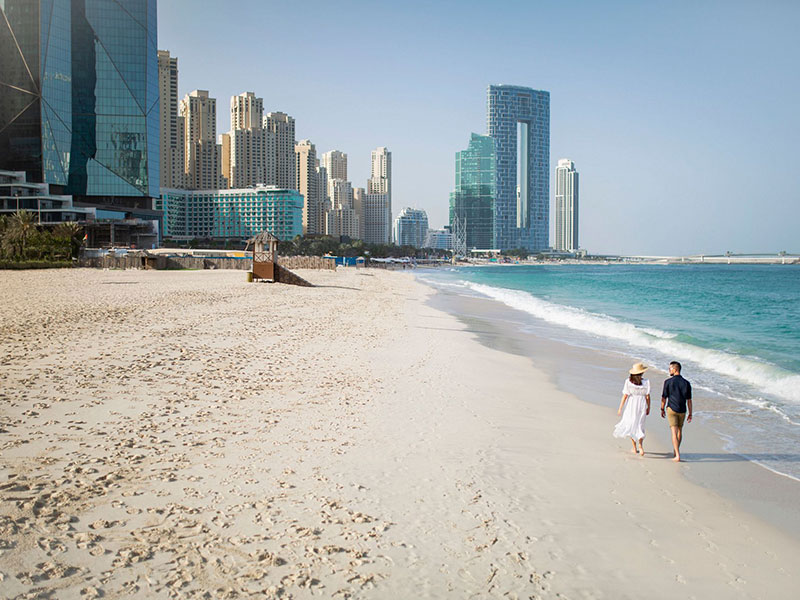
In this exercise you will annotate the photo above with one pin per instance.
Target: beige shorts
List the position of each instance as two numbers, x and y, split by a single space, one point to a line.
675 418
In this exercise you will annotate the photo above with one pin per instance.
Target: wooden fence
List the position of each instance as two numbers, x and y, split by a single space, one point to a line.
160 262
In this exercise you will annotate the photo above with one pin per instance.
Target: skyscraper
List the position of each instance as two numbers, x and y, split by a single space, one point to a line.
472 202
323 200
359 197
377 224
566 206
203 157
79 102
306 159
380 181
173 143
281 126
252 148
335 163
518 119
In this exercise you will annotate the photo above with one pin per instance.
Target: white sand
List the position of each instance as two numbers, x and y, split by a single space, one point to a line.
186 434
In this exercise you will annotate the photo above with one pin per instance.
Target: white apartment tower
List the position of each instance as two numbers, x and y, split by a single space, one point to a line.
281 126
335 162
322 198
202 155
380 181
359 198
378 201
566 206
307 180
173 144
251 158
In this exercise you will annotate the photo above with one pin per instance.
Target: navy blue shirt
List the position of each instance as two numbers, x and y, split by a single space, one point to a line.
677 391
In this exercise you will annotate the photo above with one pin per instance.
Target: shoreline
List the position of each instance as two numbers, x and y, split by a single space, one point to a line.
186 433
592 376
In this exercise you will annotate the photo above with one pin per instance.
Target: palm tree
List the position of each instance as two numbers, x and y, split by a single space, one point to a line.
21 225
72 232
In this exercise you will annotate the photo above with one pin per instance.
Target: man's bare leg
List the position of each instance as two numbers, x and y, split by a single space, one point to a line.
676 443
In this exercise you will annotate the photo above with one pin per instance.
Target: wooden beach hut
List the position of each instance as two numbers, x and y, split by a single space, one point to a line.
265 256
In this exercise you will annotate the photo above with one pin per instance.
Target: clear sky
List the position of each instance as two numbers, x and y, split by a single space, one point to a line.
683 118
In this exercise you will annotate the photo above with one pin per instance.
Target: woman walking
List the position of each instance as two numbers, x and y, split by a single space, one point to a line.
636 405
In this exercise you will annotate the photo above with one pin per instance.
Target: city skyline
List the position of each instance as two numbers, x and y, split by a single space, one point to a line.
659 107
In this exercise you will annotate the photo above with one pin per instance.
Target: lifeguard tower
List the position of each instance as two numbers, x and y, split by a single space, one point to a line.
265 262
265 256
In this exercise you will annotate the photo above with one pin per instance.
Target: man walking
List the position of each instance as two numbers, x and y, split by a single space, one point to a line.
677 396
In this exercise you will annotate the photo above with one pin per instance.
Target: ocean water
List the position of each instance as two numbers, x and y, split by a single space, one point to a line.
735 329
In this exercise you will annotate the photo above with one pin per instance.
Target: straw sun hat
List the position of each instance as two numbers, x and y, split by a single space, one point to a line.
638 369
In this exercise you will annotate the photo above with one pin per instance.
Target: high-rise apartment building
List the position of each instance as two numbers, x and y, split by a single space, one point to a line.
173 143
377 219
335 163
252 148
307 180
203 156
380 181
342 220
411 227
79 105
281 126
472 203
341 193
518 119
359 197
378 203
566 226
323 201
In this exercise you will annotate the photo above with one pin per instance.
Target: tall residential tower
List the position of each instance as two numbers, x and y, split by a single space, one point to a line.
566 206
173 143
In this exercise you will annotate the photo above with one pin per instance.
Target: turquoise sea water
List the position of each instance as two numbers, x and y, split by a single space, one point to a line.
736 329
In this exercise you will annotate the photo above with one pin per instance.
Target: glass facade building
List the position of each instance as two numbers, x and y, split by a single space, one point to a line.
518 120
79 100
473 199
411 227
231 214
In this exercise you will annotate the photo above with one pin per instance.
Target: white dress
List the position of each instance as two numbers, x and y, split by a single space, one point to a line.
633 415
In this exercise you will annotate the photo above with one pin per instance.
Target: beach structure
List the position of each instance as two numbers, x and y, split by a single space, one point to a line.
265 255
265 261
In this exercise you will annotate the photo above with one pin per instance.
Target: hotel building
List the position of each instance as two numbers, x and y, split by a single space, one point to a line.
518 120
231 214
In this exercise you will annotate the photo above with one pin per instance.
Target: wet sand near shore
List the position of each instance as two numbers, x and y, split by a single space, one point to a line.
597 377
189 435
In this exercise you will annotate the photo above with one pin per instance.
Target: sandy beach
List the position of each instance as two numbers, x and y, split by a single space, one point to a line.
189 435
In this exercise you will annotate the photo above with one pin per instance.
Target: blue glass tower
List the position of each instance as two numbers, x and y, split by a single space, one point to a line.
518 119
473 199
79 104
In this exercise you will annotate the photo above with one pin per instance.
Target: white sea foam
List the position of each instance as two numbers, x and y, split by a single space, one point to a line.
765 377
